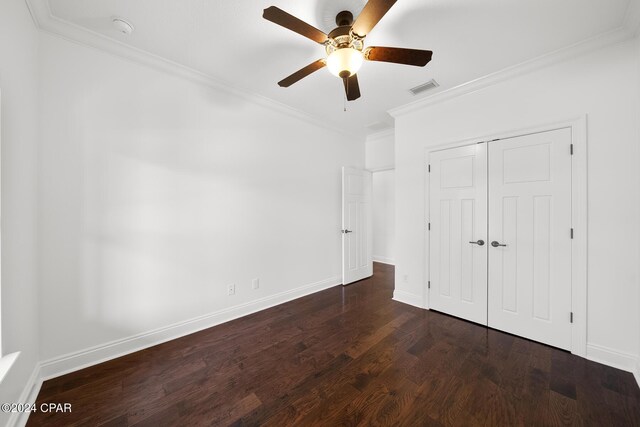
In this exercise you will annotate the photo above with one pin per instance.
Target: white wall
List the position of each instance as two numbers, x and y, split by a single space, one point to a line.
19 139
384 216
157 192
602 84
380 158
380 151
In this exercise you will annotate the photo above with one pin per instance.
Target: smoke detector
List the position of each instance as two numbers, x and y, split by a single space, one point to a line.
122 26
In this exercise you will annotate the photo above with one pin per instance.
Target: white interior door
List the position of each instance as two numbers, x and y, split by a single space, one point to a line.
357 262
458 222
530 214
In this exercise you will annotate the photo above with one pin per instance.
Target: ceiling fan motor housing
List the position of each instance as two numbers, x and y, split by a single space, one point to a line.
344 18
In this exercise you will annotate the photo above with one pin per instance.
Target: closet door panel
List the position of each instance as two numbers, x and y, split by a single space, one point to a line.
529 285
458 221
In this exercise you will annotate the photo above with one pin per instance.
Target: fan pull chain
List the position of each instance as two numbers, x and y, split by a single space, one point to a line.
344 99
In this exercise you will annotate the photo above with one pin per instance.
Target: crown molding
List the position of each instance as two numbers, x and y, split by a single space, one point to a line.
632 18
618 35
381 135
45 21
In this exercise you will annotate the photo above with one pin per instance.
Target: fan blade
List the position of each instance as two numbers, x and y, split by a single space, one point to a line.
372 13
302 73
398 55
351 87
280 17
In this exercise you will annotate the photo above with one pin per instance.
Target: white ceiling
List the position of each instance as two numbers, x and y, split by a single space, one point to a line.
229 41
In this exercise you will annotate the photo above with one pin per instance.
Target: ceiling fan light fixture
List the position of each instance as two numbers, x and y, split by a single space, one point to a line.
344 45
345 62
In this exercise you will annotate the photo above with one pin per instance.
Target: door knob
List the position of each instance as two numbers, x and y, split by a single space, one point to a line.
496 244
479 243
347 231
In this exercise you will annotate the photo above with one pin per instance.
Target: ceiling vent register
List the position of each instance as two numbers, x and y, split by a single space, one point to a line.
431 84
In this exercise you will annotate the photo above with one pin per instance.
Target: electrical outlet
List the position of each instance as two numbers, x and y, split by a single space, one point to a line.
405 278
255 283
231 289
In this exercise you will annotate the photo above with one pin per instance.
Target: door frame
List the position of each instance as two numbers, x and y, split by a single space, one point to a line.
579 206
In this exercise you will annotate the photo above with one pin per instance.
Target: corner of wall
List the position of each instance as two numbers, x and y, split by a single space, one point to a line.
614 358
408 298
383 259
380 151
28 396
20 92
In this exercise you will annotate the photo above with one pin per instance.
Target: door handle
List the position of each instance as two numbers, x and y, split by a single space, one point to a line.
346 231
479 243
496 244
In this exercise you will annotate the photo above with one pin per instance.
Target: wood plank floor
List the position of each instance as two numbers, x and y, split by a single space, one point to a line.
346 356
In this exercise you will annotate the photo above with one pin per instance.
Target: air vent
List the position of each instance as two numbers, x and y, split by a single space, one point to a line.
431 84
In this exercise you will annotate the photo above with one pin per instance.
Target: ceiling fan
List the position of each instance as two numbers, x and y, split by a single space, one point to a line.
345 45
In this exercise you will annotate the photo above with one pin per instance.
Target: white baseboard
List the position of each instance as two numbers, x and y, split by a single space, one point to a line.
29 395
610 357
408 298
92 356
384 260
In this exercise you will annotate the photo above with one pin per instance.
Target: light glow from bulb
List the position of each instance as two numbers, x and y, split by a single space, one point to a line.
345 60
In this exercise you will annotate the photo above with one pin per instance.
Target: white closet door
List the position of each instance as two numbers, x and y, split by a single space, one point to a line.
458 217
530 213
357 228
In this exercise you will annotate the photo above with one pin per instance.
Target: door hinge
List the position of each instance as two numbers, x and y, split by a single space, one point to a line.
571 317
429 168
429 226
429 284
571 149
572 233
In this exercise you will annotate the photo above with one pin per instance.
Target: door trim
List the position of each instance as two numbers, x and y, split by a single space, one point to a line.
579 206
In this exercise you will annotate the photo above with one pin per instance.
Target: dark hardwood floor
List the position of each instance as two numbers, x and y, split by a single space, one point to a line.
346 356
